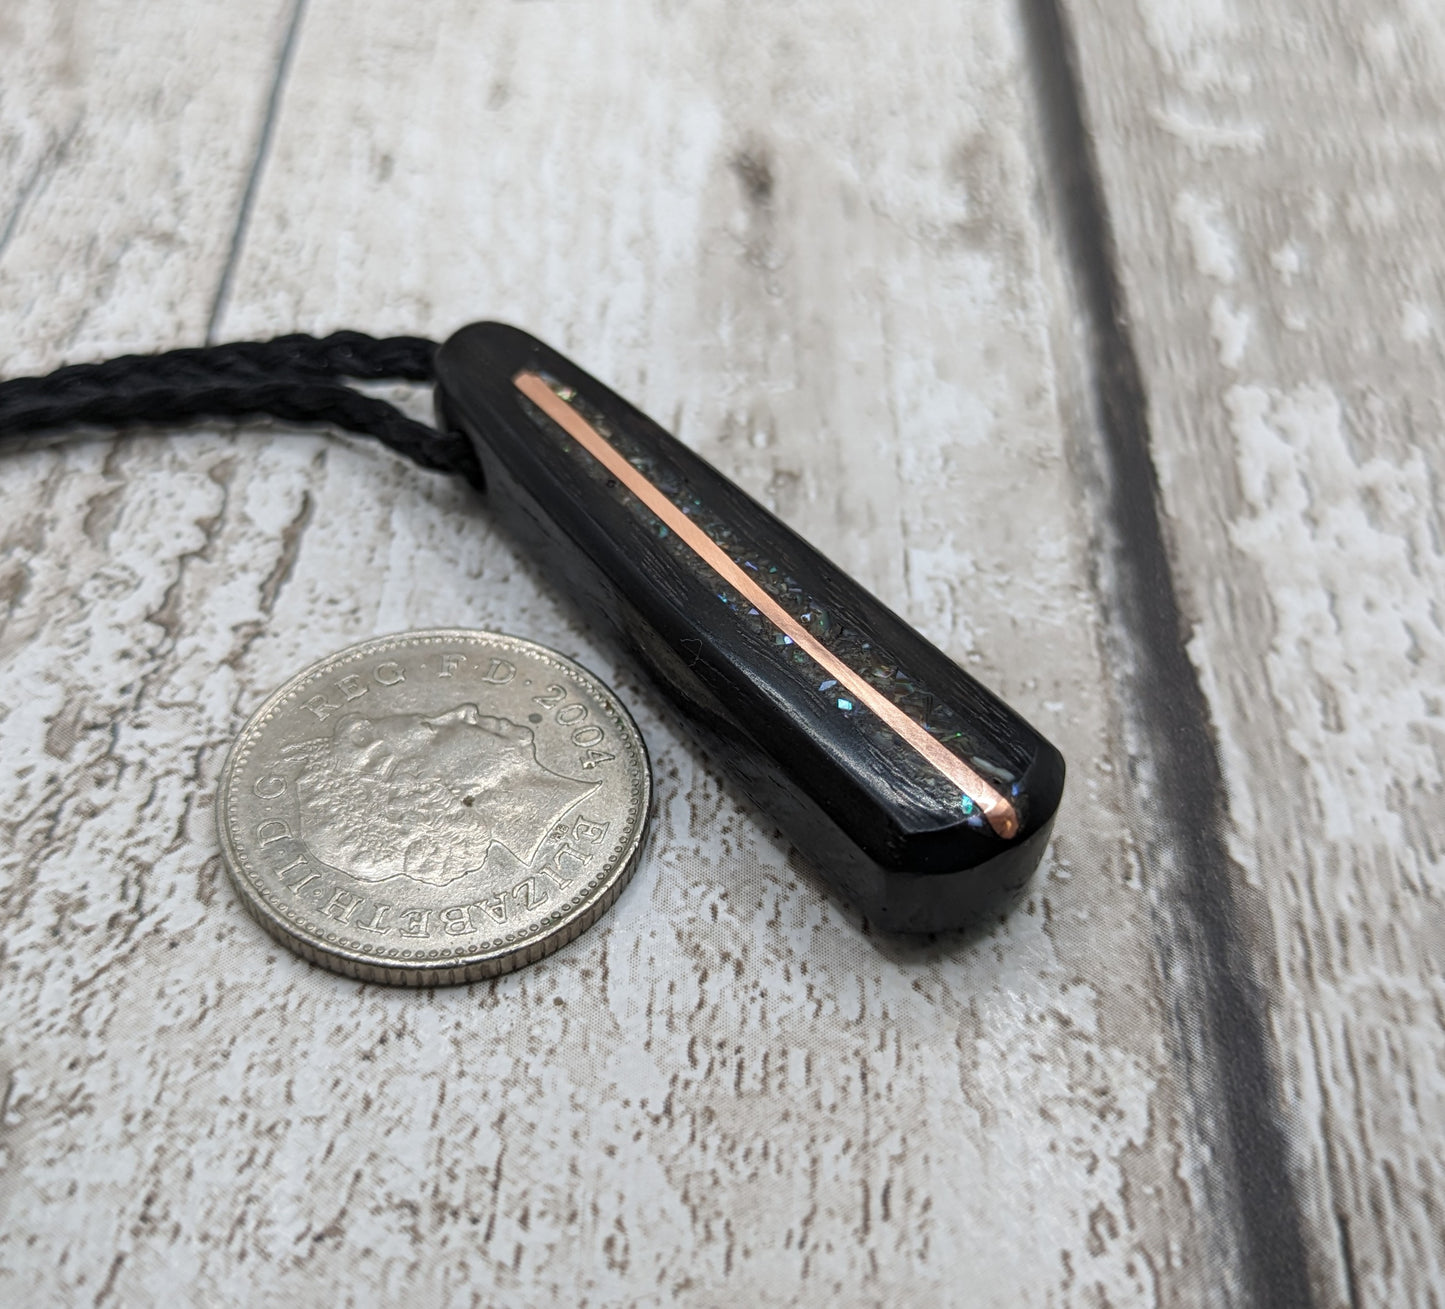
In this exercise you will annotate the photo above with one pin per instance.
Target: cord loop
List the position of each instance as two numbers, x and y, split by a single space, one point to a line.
295 378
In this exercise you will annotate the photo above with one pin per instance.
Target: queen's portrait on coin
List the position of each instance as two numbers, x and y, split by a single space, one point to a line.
426 797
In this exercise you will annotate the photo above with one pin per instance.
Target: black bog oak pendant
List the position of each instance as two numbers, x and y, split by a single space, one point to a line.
921 796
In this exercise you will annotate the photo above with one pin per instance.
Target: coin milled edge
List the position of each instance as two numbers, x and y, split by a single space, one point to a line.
434 968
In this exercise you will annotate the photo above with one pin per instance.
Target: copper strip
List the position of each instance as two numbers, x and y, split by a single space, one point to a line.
998 809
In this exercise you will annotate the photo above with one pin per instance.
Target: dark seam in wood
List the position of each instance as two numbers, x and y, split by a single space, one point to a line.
50 159
1217 993
1347 1252
258 163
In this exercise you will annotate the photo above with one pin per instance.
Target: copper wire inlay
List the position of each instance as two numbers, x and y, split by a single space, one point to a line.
998 809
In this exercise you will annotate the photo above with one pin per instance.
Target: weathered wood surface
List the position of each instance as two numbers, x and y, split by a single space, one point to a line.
838 287
1273 178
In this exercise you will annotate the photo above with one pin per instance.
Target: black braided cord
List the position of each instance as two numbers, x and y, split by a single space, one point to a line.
298 379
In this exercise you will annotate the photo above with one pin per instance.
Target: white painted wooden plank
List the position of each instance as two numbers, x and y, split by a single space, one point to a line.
837 289
1273 177
126 138
125 141
830 285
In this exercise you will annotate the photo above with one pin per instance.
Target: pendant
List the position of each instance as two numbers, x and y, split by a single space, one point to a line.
918 794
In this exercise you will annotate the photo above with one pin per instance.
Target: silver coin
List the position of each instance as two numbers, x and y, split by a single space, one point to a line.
434 807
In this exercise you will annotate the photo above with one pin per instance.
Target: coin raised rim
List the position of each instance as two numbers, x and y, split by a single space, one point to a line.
435 967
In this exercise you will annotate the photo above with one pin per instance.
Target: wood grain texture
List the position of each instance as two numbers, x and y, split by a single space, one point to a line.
805 237
1272 179
126 138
